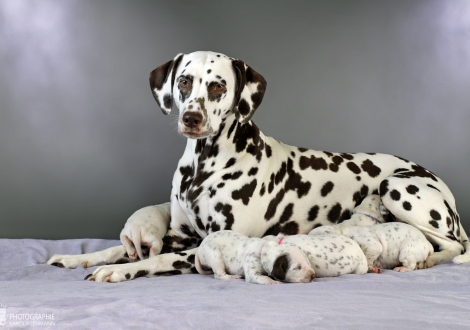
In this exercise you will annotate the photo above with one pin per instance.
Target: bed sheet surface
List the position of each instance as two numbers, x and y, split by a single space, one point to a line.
436 298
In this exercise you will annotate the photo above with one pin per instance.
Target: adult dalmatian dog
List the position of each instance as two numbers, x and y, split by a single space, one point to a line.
231 176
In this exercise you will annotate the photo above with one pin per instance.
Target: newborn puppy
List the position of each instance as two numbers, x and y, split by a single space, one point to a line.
370 212
393 245
231 256
147 227
328 255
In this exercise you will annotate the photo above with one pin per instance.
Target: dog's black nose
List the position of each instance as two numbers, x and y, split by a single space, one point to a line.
192 119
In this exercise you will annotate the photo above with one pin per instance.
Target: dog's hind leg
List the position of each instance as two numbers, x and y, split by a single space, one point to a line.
422 200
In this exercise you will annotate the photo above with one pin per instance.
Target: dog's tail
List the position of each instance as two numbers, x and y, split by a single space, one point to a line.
466 244
200 269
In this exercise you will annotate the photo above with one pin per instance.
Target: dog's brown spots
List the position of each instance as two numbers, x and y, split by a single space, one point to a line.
353 167
243 133
169 273
280 174
316 163
199 223
287 214
435 215
226 210
407 206
337 160
313 213
232 176
191 258
141 273
369 167
58 264
434 223
383 188
421 172
294 181
334 213
327 188
243 107
347 156
179 264
262 190
214 227
178 243
290 228
431 186
167 100
395 195
271 210
127 276
412 189
345 215
245 193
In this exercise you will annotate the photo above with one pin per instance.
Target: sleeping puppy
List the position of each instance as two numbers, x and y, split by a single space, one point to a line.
393 245
329 255
370 212
230 255
146 227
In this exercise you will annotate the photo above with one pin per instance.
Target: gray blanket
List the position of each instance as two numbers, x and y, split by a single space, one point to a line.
32 292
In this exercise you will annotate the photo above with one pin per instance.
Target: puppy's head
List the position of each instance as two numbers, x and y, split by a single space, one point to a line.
286 263
372 206
207 87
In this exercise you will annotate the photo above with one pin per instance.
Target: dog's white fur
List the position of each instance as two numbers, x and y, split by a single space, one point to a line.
146 226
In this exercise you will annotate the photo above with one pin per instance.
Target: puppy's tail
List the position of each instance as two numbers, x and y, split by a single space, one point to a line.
466 244
200 269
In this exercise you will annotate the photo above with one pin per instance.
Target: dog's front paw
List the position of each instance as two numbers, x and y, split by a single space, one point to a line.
116 273
68 261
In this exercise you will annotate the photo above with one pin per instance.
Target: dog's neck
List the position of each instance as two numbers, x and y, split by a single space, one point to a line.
227 144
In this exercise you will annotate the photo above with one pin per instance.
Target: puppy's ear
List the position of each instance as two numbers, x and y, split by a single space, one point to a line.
250 91
280 267
161 83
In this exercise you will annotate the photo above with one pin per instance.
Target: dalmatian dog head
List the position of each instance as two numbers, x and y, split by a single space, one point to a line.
285 262
207 87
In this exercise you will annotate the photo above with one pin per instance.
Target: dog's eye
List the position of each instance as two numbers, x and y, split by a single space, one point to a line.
183 82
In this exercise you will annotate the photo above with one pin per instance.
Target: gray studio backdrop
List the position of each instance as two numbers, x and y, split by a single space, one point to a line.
83 144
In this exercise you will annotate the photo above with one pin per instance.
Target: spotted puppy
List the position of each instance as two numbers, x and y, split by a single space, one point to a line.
370 212
392 245
230 255
328 255
233 177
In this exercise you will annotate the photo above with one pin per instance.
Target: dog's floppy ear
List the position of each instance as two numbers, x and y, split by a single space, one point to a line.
161 83
280 267
250 90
